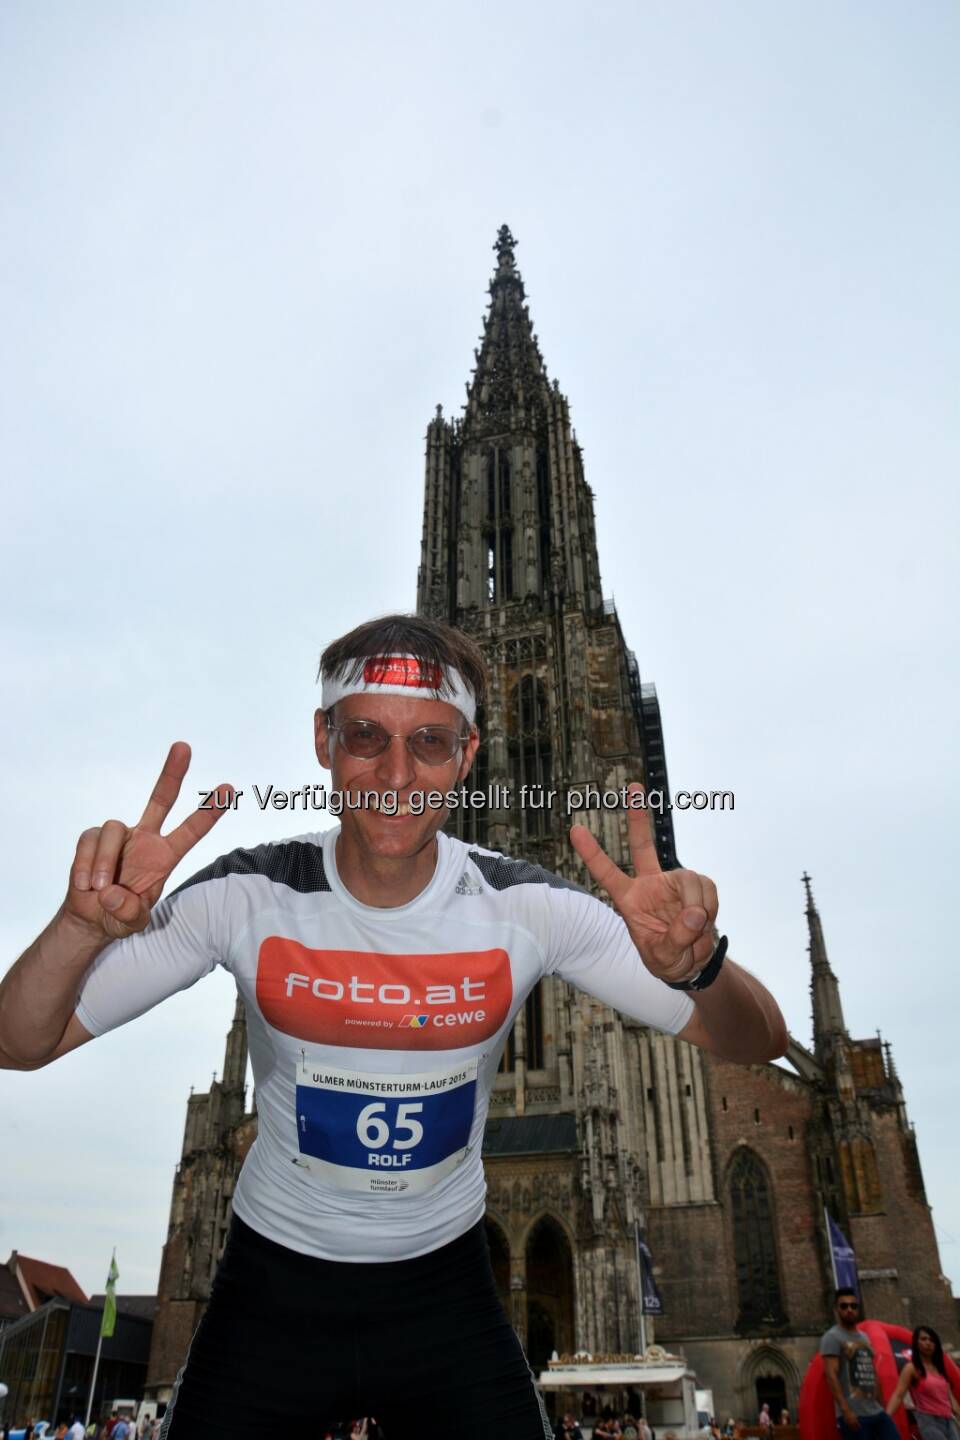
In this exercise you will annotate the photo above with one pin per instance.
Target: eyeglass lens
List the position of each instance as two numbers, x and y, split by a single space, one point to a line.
431 744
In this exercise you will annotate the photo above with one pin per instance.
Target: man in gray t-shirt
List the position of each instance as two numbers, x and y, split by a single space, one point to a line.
850 1373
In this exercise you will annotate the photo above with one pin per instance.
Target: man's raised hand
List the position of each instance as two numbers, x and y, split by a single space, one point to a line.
119 872
669 913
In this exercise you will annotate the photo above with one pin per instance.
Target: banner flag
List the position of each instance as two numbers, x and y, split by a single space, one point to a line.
842 1257
652 1302
108 1323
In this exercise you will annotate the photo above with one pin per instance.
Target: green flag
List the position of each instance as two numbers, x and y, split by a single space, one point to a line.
109 1320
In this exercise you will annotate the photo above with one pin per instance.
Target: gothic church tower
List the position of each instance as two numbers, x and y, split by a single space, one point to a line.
594 1117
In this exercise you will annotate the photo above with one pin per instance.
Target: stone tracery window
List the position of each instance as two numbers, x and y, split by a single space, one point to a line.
533 1031
530 755
465 822
498 526
543 514
754 1244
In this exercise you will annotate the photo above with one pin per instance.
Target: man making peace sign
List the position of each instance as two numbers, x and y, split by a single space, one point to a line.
381 966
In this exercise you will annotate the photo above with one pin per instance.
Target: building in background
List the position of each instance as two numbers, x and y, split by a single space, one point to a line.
26 1284
599 1127
47 1357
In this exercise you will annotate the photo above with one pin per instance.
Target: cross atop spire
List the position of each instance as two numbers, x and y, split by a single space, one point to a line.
505 245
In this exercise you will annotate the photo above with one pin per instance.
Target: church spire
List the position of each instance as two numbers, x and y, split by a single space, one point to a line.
235 1055
509 384
828 1019
508 516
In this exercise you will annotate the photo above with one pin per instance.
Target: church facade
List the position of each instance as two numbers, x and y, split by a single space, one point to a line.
600 1129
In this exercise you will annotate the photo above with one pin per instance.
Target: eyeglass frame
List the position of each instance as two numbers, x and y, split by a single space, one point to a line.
398 735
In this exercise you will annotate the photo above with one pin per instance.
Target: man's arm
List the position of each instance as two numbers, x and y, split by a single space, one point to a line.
670 916
737 1019
39 994
117 876
831 1373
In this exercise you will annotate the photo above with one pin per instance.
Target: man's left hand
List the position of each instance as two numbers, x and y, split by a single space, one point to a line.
670 914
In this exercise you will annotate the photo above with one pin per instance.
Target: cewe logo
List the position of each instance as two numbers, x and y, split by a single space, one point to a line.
372 1001
401 670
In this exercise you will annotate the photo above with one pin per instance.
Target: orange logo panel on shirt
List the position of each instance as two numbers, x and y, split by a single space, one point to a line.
371 1001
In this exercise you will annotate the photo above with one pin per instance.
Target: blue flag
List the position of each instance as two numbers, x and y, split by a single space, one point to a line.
652 1302
842 1257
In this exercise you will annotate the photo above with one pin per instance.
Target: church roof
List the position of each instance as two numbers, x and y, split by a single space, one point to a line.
531 1135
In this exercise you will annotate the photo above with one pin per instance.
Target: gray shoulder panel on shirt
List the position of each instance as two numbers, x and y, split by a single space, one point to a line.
500 873
295 863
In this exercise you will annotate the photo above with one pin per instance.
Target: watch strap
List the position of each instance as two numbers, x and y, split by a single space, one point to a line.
708 974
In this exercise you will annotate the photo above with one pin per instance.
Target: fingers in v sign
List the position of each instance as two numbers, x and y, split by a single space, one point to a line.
119 871
669 914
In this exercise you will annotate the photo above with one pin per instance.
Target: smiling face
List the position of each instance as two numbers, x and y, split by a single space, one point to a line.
370 832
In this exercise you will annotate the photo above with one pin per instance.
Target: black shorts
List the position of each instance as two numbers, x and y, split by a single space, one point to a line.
288 1340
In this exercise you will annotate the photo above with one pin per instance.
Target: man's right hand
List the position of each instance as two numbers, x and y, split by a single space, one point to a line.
119 872
850 1419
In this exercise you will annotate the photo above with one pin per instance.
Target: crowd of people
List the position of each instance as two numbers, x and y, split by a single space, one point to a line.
114 1427
612 1426
608 1427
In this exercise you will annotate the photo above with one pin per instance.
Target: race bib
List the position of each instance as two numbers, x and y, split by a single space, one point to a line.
384 1134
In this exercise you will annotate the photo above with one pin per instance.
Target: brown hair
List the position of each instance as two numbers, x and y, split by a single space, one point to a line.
430 642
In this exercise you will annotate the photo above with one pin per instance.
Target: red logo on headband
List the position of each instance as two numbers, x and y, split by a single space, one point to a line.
401 670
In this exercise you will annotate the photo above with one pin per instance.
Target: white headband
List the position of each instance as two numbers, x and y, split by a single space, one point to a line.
401 675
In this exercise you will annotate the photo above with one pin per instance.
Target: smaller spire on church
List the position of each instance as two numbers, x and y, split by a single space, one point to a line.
235 1055
889 1064
818 948
825 991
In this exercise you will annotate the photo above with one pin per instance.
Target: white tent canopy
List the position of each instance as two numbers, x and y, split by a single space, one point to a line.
596 1377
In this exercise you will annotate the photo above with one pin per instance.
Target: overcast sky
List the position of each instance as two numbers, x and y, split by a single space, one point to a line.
244 253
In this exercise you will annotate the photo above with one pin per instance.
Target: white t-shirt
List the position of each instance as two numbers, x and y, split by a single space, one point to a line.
375 1034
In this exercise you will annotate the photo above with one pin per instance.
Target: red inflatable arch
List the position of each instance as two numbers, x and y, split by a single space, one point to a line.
891 1347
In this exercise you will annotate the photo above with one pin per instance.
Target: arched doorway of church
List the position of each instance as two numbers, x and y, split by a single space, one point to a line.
499 1261
549 1293
768 1377
772 1391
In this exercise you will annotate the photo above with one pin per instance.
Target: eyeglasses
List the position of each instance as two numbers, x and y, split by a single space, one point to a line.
847 1305
431 744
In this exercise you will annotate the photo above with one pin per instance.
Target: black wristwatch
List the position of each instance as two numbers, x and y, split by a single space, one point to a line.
708 974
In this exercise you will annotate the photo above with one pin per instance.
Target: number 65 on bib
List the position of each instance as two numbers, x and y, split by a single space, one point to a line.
384 1134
